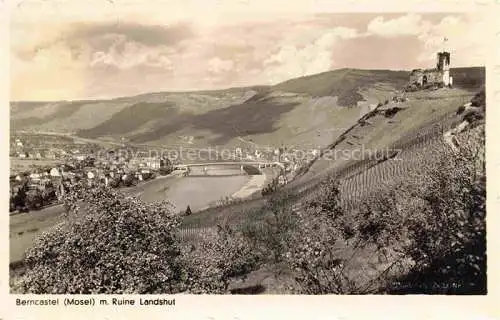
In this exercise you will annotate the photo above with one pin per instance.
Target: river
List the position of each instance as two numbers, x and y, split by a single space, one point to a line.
198 192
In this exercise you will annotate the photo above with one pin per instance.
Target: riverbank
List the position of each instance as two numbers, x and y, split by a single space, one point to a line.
197 192
255 184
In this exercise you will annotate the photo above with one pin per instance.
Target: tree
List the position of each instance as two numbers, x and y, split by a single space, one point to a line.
435 219
271 187
221 255
19 198
188 211
130 180
34 199
49 195
272 233
313 250
115 182
165 170
133 248
452 197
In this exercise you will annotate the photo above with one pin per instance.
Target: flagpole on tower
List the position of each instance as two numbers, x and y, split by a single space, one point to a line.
444 44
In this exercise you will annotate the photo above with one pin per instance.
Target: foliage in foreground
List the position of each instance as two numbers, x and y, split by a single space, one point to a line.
116 244
425 233
428 231
315 252
220 256
443 222
271 234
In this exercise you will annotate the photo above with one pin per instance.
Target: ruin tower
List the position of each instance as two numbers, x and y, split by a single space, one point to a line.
443 66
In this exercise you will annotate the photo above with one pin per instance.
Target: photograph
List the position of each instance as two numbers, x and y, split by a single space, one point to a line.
163 151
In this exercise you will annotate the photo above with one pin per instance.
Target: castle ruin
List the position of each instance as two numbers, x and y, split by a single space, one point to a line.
437 77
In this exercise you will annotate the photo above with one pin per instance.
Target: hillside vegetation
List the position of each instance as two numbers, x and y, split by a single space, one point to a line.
348 224
264 115
392 242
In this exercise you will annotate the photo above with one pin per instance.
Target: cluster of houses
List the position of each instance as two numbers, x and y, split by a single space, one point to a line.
21 150
111 170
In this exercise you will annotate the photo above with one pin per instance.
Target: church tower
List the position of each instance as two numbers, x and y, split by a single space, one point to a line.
443 66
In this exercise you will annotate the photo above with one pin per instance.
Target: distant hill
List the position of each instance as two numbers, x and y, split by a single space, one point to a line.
472 78
343 83
307 110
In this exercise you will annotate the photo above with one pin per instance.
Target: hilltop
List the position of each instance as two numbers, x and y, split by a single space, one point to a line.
410 128
309 112
259 114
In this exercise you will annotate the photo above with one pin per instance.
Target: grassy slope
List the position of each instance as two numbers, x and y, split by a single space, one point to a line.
343 83
269 117
24 228
216 117
381 132
422 110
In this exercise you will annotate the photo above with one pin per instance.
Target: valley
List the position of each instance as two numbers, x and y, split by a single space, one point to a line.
360 126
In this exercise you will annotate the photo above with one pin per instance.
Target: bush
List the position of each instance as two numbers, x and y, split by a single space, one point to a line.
34 199
220 256
460 110
436 219
391 112
163 171
18 200
271 187
130 180
270 236
473 115
115 182
427 232
49 195
312 254
479 100
132 248
251 170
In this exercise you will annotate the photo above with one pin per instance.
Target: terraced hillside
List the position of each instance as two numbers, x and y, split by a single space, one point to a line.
398 141
391 126
305 112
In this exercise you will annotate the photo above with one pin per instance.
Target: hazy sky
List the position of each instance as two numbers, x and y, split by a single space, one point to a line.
87 52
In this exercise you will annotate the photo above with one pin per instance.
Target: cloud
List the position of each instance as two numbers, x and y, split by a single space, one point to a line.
58 51
150 35
166 50
84 40
132 54
462 31
293 60
465 41
217 65
410 24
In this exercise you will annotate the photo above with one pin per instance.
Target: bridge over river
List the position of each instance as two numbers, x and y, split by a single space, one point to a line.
223 168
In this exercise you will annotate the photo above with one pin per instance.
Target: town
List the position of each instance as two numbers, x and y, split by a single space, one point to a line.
43 168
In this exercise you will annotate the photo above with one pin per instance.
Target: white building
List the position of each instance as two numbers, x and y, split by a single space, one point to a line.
35 176
54 172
